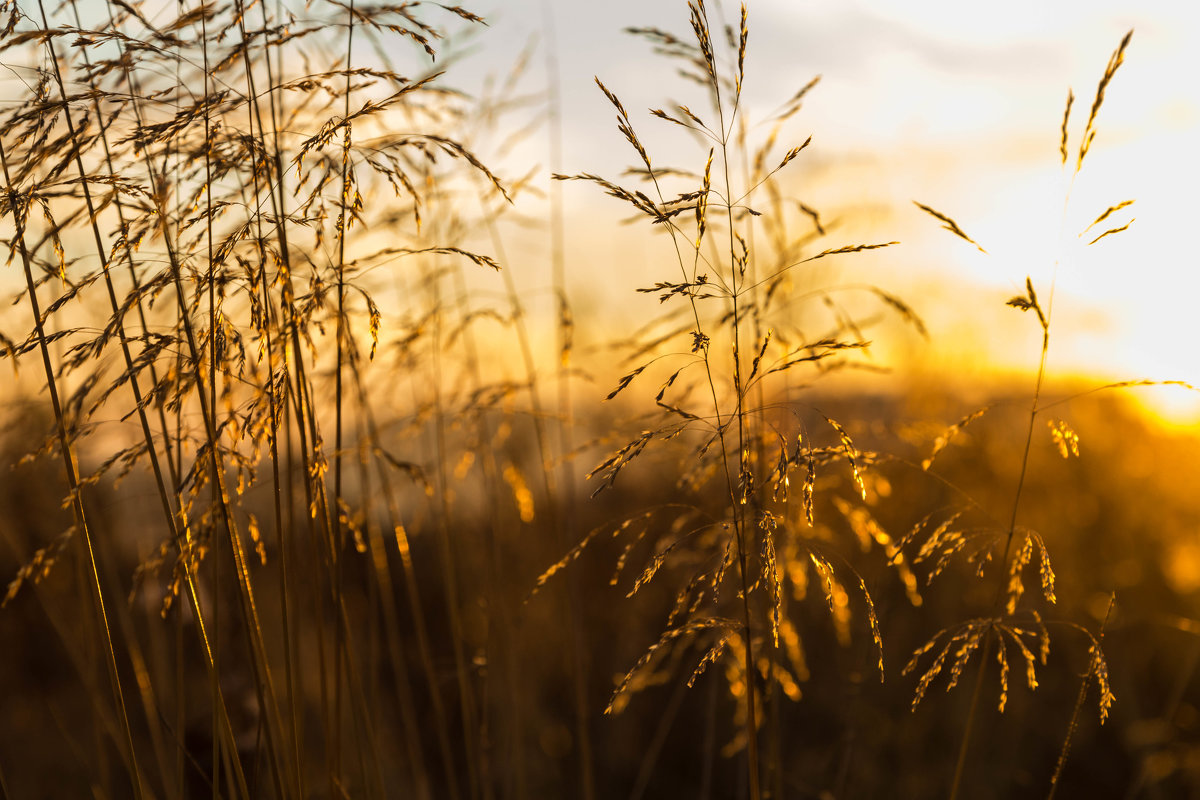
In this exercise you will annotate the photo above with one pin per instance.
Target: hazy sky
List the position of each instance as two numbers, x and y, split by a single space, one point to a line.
957 105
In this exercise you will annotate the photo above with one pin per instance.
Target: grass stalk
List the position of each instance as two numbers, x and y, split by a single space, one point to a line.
340 337
416 606
960 763
446 551
16 207
274 409
565 513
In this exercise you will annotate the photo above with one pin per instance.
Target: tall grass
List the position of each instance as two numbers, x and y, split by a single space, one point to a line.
316 449
736 333
198 159
1008 625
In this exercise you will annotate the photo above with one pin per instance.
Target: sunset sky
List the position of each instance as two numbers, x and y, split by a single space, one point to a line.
956 106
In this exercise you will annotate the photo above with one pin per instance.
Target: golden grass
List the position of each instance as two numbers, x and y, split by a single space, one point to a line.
245 246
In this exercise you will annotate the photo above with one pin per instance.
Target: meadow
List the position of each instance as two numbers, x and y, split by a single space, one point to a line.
318 484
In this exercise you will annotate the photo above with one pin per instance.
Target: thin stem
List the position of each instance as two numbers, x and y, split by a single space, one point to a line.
564 513
736 496
68 457
340 336
960 764
1073 725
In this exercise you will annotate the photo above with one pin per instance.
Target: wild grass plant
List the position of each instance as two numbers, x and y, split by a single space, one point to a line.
743 441
1011 628
733 332
196 153
291 452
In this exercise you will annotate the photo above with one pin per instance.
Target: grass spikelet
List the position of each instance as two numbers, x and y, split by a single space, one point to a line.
868 530
949 224
1105 215
612 466
698 16
649 572
851 455
905 311
520 490
619 698
1064 437
1089 131
256 539
1002 658
943 441
825 571
710 657
770 571
1098 669
1016 587
762 351
1045 571
624 125
1031 661
743 37
625 381
787 158
1062 147
954 647
850 248
623 558
779 478
806 492
702 200
1111 231
966 648
557 566
38 567
727 558
873 621
1029 301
